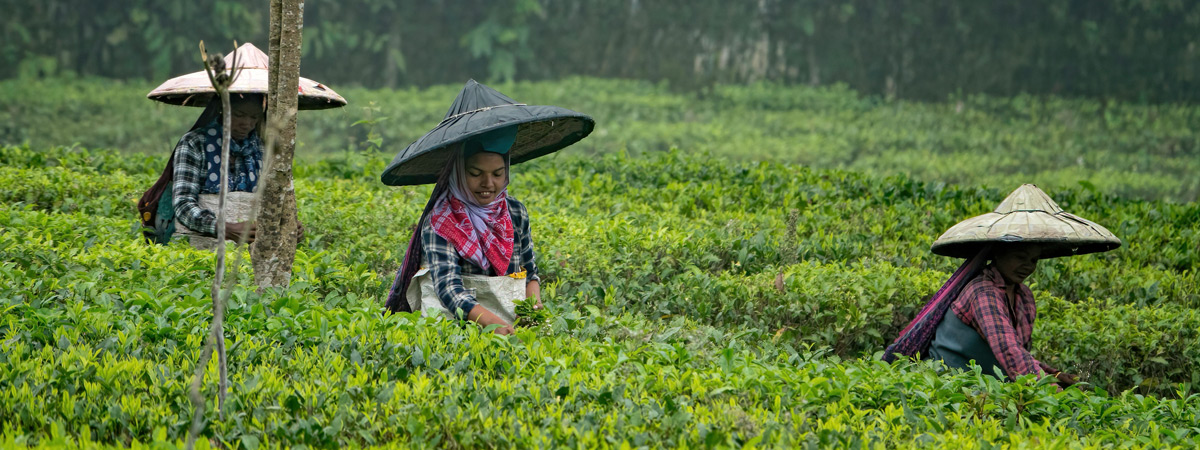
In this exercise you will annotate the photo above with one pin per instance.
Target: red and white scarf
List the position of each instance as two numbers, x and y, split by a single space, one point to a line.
483 234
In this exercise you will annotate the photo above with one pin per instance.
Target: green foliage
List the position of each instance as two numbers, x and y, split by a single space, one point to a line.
134 39
503 38
530 317
691 301
364 42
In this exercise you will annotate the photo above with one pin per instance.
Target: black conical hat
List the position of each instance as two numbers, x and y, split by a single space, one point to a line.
479 109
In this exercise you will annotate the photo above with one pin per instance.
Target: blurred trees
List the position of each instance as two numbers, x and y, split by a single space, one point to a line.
926 49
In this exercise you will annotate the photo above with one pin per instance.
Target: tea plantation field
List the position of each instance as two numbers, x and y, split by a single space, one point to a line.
697 298
1132 150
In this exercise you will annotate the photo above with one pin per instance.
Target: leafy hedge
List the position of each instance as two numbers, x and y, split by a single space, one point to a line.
1131 150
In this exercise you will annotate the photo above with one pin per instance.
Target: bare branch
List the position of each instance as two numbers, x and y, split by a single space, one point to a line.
214 66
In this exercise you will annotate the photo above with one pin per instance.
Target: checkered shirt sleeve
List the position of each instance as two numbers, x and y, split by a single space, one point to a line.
189 177
443 263
523 245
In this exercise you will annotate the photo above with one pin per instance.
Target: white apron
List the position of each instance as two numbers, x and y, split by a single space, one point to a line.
498 294
237 209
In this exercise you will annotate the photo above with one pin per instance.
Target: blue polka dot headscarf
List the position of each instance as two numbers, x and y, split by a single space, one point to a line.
245 161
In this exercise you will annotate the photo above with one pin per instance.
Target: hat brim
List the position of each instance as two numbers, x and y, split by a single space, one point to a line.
541 130
195 89
1050 248
1061 234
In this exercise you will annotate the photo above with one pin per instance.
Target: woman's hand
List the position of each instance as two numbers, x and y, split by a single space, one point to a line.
482 316
1066 379
533 289
240 231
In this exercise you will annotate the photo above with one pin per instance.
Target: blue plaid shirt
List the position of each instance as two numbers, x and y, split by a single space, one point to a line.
446 267
191 165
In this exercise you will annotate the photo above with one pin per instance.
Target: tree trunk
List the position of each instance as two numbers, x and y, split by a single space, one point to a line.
274 248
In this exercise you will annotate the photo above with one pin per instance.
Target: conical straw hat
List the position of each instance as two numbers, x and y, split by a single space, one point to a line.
1027 215
194 89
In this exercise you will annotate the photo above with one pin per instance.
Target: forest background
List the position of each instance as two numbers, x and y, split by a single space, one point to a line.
1133 50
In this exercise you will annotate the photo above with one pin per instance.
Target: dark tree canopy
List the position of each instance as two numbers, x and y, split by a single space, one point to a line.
923 49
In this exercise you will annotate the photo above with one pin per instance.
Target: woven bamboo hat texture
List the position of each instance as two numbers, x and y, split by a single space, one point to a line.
479 110
1027 215
194 89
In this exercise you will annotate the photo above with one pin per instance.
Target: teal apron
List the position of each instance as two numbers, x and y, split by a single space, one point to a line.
956 343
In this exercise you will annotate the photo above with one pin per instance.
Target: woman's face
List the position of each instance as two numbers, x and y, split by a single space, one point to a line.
486 176
245 118
1017 262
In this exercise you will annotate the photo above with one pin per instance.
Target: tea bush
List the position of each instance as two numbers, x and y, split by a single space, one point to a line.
693 300
1131 150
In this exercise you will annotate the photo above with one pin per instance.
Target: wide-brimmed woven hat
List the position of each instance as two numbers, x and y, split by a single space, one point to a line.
477 110
1027 215
195 89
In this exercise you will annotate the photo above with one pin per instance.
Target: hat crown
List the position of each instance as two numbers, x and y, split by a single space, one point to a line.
475 96
249 57
1028 198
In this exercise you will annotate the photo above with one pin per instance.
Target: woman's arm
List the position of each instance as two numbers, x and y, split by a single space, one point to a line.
482 316
442 261
533 289
524 244
993 323
188 177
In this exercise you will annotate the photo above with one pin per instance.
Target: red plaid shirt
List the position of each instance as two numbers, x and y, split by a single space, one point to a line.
1009 331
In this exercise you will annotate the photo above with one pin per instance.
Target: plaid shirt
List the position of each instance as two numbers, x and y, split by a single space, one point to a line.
190 168
1009 332
447 267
